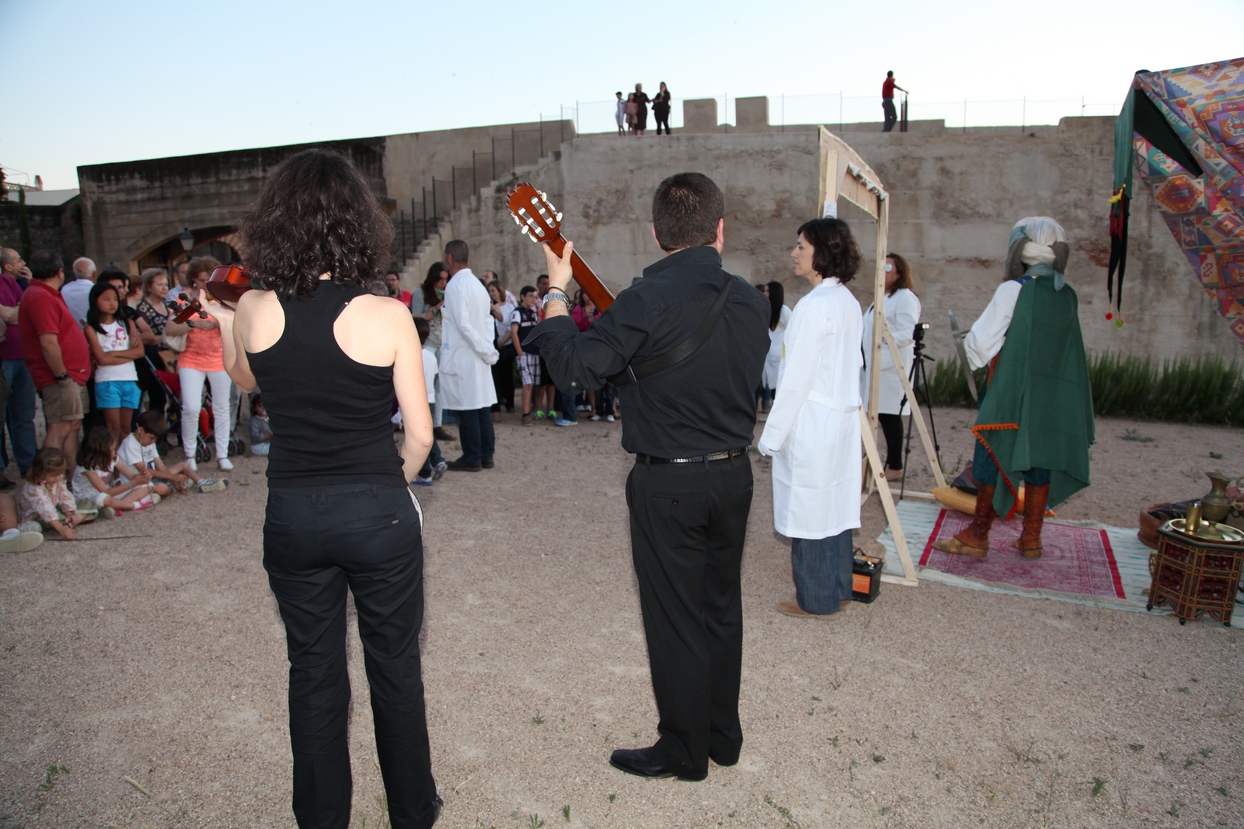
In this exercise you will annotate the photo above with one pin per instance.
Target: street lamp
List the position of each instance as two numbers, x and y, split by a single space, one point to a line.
187 240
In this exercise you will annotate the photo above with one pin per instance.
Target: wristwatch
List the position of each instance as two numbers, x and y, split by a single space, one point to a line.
556 295
61 377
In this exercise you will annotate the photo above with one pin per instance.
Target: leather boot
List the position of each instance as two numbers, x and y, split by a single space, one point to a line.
1036 498
974 540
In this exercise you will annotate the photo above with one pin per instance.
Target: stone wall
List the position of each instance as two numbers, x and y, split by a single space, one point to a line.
955 195
57 228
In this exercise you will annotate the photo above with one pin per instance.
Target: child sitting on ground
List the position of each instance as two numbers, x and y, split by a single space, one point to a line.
46 499
139 451
95 478
434 467
260 428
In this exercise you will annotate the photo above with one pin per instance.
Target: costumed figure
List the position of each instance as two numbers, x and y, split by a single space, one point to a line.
1036 416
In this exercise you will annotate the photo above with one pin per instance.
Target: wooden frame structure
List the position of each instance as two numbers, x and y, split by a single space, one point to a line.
845 175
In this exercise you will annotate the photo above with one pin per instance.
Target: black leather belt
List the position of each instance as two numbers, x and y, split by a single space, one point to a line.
714 456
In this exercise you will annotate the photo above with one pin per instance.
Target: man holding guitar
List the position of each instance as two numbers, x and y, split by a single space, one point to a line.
686 345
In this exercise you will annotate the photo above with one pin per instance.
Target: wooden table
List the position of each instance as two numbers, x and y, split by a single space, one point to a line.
1195 576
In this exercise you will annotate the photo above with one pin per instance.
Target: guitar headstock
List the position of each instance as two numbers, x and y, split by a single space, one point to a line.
533 213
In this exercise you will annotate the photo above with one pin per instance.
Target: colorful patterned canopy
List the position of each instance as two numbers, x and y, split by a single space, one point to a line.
1186 131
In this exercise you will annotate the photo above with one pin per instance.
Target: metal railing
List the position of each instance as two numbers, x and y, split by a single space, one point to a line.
415 222
840 109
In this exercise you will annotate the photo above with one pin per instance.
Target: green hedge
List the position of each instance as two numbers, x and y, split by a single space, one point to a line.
1204 390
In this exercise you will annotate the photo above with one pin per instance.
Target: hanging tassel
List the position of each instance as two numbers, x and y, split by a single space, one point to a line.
1119 209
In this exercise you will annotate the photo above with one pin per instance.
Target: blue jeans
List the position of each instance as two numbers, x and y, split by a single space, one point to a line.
19 414
822 571
476 435
434 457
565 402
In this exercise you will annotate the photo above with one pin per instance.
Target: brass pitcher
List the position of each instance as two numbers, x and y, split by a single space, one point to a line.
1216 506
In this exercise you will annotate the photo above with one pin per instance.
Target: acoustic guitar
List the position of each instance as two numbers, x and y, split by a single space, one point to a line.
541 223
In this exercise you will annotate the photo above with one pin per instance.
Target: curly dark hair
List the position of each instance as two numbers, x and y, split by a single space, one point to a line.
316 214
834 252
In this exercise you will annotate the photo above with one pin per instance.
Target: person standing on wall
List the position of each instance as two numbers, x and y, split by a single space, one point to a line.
661 109
641 109
887 100
339 515
688 423
467 354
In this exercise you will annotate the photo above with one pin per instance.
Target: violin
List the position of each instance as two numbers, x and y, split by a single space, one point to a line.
226 284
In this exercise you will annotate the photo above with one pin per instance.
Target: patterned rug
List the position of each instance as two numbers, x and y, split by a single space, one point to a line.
1075 559
1130 561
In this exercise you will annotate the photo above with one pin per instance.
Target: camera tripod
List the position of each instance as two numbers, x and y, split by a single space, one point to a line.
919 379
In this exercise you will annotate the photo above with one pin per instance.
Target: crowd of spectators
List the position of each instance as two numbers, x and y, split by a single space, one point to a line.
87 352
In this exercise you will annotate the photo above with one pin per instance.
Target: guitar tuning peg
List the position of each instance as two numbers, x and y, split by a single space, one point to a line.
516 221
525 228
544 195
559 217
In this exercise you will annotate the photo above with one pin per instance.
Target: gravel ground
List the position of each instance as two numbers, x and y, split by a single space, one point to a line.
143 679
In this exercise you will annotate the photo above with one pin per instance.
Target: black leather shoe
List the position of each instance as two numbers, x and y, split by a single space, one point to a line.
643 762
461 466
441 434
489 464
724 759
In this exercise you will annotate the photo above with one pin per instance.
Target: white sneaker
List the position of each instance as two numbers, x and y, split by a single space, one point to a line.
225 464
31 527
14 541
213 484
609 418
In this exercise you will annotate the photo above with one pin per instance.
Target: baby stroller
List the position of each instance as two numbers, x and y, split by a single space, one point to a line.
206 442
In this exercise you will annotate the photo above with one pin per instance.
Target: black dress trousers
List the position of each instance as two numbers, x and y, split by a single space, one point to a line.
688 523
319 541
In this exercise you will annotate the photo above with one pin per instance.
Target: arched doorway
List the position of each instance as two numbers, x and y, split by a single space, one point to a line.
217 242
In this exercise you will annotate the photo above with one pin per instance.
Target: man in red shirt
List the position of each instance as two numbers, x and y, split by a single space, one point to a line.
19 409
395 289
55 351
887 100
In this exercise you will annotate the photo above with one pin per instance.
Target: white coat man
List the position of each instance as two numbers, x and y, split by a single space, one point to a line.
77 293
467 352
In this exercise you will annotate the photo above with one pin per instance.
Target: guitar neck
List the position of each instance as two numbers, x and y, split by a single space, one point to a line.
584 275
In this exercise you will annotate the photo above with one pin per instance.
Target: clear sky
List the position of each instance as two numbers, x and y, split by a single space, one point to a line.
88 81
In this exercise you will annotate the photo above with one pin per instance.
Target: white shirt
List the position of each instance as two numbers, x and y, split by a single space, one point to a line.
988 333
429 374
77 296
902 312
136 456
115 336
467 348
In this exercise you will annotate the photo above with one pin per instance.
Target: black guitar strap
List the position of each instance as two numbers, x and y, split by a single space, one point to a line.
635 372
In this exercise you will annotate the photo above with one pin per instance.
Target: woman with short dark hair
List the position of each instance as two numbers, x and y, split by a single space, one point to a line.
813 430
340 515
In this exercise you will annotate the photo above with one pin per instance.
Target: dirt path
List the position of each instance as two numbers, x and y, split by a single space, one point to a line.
142 680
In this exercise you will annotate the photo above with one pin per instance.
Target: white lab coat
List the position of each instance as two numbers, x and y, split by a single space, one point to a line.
774 358
902 312
467 345
813 431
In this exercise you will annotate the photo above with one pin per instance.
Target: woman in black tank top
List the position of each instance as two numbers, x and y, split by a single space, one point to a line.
330 358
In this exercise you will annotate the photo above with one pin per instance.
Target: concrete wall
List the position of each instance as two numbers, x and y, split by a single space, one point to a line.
131 208
955 196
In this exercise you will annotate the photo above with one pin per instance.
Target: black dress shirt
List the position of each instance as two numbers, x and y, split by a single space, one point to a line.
705 403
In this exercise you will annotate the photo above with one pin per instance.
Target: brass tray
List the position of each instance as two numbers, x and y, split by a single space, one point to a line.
1208 532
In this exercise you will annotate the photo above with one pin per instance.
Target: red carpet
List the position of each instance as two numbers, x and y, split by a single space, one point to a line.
1075 559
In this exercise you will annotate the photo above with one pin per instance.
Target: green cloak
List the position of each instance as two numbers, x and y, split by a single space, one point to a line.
1040 384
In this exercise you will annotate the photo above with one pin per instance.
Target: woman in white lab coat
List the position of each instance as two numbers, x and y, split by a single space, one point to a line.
813 430
902 312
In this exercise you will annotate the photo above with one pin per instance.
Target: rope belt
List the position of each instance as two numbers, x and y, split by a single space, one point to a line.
640 457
